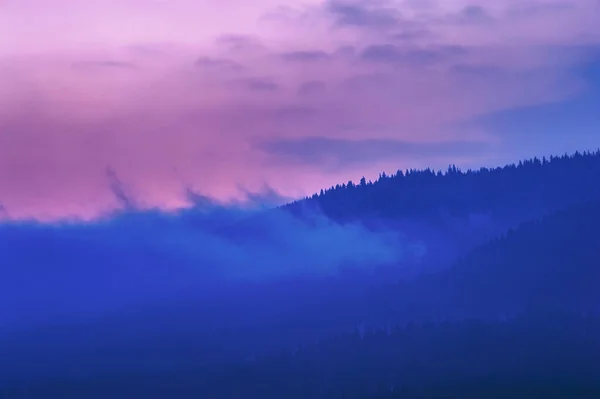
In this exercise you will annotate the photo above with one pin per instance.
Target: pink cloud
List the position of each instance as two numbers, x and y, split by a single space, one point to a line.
190 94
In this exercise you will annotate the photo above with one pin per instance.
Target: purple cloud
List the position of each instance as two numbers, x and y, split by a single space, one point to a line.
192 104
256 84
218 64
339 153
390 53
97 65
305 56
312 87
365 14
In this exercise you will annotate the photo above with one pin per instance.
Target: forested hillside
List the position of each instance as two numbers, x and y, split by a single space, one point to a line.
533 186
544 265
453 212
526 357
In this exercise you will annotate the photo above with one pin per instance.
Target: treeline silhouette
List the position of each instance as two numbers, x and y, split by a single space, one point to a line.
556 351
525 357
454 211
535 186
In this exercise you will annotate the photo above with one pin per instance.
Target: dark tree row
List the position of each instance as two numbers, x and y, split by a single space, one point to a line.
543 185
524 357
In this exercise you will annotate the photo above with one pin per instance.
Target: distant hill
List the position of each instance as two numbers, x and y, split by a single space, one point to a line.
547 264
533 186
453 212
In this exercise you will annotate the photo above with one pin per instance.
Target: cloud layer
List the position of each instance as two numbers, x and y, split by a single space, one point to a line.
222 98
132 259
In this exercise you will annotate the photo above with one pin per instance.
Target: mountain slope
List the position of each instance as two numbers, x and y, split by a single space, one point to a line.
533 186
552 263
452 213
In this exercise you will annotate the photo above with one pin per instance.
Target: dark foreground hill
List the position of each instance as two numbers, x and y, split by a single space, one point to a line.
526 357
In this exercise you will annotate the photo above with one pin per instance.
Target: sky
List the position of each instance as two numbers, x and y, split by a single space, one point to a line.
150 100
